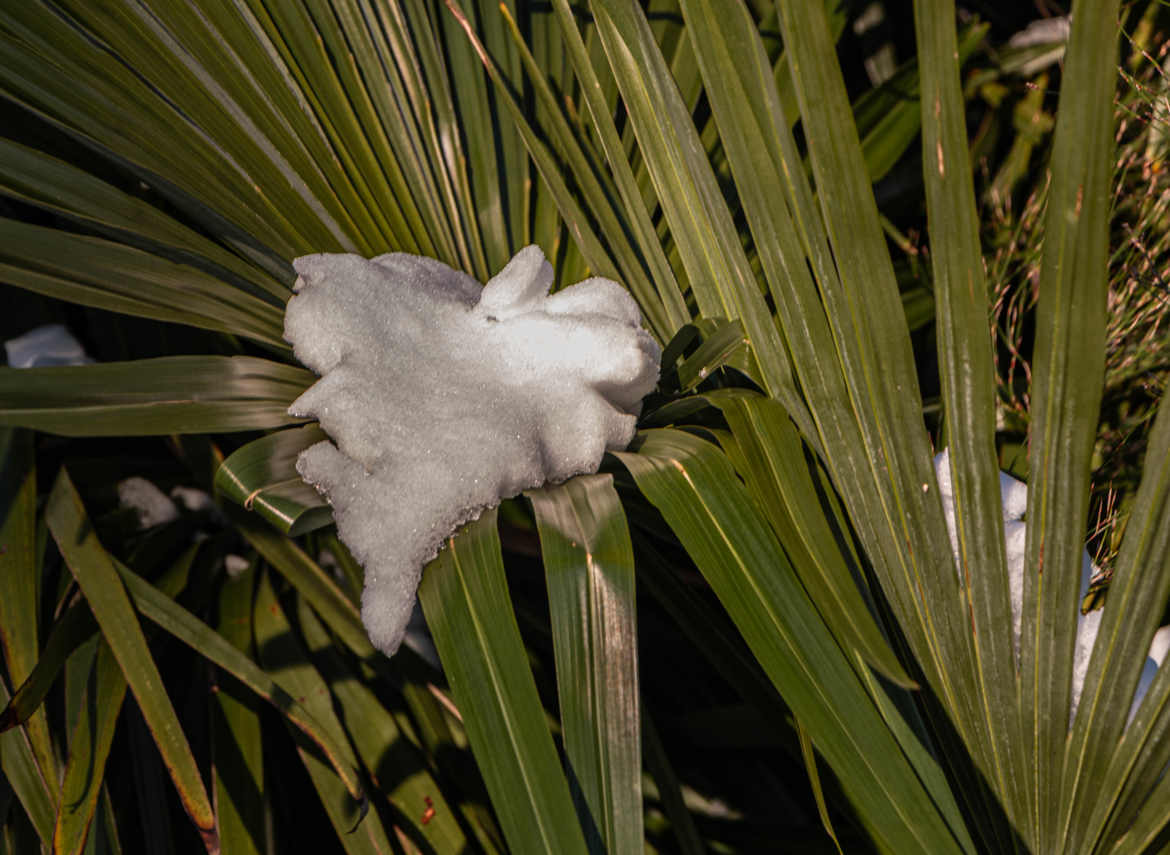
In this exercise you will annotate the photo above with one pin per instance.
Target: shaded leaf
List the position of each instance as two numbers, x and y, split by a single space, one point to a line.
96 575
172 394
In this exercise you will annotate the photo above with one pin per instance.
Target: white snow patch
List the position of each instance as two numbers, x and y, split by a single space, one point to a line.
444 398
153 506
193 499
235 565
1014 494
43 346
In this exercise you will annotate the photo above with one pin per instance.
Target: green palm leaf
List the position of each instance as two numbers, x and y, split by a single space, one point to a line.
589 565
465 597
169 160
99 581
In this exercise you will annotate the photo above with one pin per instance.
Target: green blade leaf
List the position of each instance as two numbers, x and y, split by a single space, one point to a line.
97 576
89 747
814 778
93 716
465 597
1068 370
283 655
692 202
72 629
38 179
262 476
20 580
776 471
1112 761
395 765
589 566
633 205
236 733
694 487
881 463
98 272
304 574
969 394
172 394
177 621
22 773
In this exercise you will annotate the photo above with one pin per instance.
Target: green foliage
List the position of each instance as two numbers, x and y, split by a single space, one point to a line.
749 627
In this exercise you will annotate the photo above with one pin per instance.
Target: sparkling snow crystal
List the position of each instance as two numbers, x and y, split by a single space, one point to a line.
443 397
1015 503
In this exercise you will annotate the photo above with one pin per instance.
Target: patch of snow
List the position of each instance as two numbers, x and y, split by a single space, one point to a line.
153 506
44 346
193 499
234 565
1014 494
1045 31
442 398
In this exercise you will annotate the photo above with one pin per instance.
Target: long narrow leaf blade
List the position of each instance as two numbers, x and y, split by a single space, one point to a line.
236 732
465 597
1067 382
172 394
696 490
969 393
99 581
20 578
283 655
89 748
589 566
693 205
174 619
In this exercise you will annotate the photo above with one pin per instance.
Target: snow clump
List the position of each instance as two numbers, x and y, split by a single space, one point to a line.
443 397
1015 503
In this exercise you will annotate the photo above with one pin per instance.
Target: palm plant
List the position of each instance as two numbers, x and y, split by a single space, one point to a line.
167 160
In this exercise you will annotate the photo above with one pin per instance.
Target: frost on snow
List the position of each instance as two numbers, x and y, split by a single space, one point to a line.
443 397
1015 504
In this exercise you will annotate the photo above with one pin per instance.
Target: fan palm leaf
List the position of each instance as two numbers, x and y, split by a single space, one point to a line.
168 162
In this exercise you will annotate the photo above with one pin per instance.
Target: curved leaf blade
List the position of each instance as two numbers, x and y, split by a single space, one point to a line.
22 773
105 274
237 749
89 747
177 621
395 765
262 476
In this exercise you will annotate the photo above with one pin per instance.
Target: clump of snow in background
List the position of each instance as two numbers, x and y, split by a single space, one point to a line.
443 397
1015 503
40 347
152 506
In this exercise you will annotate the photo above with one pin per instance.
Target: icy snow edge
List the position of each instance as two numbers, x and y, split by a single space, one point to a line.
442 398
